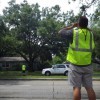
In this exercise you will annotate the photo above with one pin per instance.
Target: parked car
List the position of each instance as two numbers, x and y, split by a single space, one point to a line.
56 69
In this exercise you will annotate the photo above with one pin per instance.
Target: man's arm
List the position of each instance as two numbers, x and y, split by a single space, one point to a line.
72 26
67 32
68 28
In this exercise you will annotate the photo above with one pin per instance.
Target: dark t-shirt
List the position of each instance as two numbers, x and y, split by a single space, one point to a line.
68 34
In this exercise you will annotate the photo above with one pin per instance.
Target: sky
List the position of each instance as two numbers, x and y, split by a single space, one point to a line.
49 3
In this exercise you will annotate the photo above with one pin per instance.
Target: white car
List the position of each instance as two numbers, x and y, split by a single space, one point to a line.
56 69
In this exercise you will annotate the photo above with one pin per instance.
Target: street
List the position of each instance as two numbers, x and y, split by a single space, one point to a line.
40 90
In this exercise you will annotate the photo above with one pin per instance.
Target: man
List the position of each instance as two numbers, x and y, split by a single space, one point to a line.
23 69
79 55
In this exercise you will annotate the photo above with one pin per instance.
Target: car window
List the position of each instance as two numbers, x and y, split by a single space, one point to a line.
60 66
54 66
67 66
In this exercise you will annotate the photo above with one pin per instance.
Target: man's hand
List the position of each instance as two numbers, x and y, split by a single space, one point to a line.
72 26
75 25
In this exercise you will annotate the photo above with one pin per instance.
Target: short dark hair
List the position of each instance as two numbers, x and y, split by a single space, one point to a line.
83 22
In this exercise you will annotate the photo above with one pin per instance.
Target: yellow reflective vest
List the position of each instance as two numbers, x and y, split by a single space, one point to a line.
23 67
80 51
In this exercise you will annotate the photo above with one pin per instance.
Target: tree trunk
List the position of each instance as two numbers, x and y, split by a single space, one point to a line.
30 66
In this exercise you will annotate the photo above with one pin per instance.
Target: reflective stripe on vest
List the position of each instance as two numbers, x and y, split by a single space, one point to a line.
77 44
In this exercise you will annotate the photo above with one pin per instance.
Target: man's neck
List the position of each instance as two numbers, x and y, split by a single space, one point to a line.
83 27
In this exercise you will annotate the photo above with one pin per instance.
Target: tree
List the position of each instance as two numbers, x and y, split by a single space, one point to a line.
95 18
3 31
33 33
86 2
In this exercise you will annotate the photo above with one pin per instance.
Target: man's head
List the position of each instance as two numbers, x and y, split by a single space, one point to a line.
83 22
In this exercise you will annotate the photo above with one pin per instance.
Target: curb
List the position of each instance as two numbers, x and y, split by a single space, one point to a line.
44 79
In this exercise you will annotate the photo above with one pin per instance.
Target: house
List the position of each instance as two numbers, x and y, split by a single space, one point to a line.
8 62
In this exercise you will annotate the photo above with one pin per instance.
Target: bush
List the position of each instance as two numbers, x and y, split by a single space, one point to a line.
16 67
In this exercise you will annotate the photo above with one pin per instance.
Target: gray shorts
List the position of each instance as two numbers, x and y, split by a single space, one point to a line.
80 76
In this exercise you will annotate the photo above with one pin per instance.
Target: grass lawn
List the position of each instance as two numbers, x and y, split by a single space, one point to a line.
33 75
29 75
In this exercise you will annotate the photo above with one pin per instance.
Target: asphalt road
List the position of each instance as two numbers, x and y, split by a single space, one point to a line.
40 90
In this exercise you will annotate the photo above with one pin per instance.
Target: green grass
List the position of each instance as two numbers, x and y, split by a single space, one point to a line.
29 75
97 72
33 75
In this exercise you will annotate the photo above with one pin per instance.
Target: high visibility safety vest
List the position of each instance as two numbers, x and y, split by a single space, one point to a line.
80 51
23 67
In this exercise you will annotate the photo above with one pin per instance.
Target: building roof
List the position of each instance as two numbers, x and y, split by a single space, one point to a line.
11 59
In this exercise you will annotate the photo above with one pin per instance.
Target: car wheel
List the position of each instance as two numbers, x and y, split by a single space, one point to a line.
47 73
66 73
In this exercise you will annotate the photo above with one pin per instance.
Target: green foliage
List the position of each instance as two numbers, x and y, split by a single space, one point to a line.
3 31
61 58
96 29
33 33
95 25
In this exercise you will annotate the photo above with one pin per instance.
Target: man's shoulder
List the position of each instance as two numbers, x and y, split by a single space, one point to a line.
66 32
